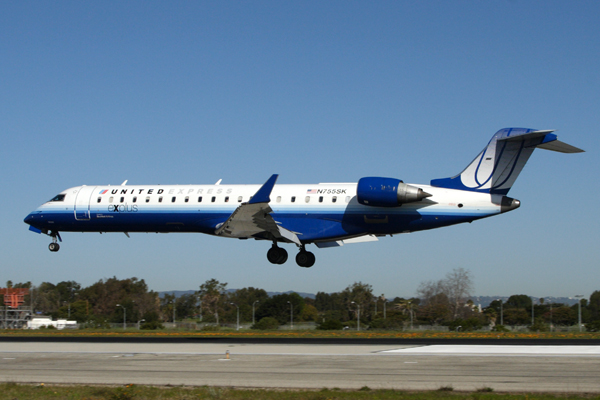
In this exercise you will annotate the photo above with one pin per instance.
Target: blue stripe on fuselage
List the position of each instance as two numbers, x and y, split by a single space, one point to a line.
331 222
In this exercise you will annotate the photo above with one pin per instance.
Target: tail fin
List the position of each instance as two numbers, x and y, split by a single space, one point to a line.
497 167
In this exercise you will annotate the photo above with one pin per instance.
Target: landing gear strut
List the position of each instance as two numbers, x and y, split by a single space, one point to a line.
277 255
54 246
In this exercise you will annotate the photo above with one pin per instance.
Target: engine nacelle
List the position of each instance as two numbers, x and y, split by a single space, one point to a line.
387 192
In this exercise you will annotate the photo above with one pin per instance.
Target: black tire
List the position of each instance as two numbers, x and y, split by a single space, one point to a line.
273 255
311 260
283 256
54 247
302 258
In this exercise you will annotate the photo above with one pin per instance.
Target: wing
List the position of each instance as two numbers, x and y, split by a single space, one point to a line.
253 219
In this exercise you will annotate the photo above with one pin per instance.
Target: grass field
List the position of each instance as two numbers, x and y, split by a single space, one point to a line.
11 391
302 334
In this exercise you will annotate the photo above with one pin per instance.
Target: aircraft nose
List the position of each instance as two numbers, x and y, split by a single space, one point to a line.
28 219
32 218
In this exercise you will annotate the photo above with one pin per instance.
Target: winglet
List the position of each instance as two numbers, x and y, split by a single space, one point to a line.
263 195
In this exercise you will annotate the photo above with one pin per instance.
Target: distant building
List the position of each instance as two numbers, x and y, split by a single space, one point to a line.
44 322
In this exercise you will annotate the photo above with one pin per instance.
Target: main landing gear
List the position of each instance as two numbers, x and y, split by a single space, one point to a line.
54 246
277 255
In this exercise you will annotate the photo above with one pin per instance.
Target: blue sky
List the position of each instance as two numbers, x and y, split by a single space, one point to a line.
194 92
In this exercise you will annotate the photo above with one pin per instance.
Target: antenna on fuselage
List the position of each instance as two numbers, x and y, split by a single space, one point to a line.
218 182
124 183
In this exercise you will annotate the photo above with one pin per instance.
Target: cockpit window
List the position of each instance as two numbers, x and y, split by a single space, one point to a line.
59 197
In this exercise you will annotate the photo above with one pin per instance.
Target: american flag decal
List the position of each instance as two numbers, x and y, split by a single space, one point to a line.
311 191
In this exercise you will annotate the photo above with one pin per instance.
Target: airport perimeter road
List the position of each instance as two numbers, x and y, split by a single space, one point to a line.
310 366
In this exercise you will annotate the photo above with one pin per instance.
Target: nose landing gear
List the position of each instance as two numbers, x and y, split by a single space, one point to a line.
54 246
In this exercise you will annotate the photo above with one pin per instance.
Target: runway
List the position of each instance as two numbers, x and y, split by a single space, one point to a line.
570 368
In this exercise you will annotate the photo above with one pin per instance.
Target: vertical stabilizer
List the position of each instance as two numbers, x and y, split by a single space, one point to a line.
497 167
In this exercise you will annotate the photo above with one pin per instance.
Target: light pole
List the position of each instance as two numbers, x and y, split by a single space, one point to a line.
411 315
384 304
358 317
174 304
238 316
69 312
532 317
253 304
550 315
291 314
578 297
141 320
124 316
501 313
200 301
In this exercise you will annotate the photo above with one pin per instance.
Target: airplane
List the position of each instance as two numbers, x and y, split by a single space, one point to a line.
324 214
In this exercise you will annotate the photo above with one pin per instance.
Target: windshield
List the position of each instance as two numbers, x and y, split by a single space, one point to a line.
58 197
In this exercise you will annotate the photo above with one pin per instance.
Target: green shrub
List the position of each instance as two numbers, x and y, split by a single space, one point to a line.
500 328
152 325
266 323
330 325
593 326
387 323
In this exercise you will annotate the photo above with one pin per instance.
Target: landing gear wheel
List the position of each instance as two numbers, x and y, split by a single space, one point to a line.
54 247
305 259
277 255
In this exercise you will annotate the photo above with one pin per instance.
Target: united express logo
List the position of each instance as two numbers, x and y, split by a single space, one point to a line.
123 208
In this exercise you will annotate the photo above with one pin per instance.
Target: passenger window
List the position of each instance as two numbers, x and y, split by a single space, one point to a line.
147 199
200 199
239 199
307 199
279 199
122 199
347 199
226 199
173 199
110 200
135 199
334 199
320 199
99 199
213 199
293 199
160 199
187 199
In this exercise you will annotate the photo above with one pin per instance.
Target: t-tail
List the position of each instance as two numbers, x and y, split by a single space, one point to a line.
497 167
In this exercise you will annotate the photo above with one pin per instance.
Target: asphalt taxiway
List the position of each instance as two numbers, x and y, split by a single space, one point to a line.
506 367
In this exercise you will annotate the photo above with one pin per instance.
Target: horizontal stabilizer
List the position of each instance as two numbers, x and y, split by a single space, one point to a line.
561 147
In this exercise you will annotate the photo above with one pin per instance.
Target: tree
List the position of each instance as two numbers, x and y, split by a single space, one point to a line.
516 316
518 301
245 298
594 306
362 295
212 293
279 307
447 297
458 286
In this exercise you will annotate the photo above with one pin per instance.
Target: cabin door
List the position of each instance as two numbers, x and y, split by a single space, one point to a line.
82 203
